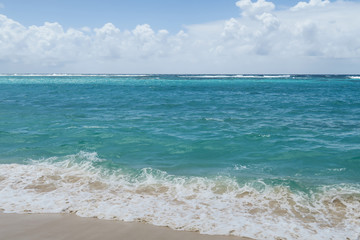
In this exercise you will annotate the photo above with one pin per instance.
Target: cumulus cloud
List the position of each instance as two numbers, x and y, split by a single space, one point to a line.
260 40
250 9
51 45
311 3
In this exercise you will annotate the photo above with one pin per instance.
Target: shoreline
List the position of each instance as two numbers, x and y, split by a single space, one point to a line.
71 227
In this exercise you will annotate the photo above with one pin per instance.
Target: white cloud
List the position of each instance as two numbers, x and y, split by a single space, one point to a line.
311 3
257 8
262 40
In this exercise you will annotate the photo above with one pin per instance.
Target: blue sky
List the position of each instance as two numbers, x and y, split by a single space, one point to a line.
173 36
125 14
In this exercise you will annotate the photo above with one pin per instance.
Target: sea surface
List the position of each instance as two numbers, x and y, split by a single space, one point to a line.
260 156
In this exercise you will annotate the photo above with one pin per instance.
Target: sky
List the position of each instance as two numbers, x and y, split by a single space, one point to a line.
172 36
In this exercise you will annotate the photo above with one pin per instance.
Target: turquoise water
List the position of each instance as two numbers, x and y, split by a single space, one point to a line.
299 134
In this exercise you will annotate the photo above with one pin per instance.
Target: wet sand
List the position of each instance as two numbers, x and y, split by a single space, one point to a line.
71 227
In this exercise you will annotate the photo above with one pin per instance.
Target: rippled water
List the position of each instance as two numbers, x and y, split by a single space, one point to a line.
257 156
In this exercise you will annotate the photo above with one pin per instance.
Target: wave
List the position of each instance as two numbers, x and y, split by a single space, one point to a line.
354 77
264 76
83 185
235 76
207 76
277 76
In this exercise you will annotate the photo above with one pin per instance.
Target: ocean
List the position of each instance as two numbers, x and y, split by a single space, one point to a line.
260 156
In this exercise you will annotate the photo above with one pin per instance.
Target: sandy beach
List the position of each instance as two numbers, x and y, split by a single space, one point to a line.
71 227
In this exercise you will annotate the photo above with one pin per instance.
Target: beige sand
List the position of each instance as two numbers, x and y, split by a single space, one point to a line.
70 227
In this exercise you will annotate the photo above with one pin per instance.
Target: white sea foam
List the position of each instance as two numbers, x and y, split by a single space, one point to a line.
277 76
131 75
238 76
214 119
74 184
354 77
209 76
336 169
248 76
238 167
95 127
263 76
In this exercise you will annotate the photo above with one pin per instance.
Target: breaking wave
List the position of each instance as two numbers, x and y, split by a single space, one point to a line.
88 186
